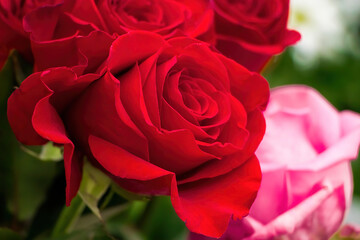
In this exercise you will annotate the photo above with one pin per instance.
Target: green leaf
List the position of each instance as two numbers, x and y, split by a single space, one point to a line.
8 234
25 179
136 210
160 221
93 186
29 179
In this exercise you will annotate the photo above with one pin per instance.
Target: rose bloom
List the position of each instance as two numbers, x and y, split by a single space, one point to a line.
305 160
165 17
60 39
59 28
162 117
250 32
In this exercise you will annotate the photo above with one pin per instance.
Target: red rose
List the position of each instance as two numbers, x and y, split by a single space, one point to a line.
164 117
55 30
165 17
11 29
60 39
250 32
56 25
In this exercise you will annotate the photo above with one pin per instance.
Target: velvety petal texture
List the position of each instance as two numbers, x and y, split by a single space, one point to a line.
305 159
34 114
160 117
59 30
165 17
12 32
60 39
250 32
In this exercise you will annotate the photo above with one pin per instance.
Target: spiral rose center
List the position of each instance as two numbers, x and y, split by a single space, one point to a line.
139 11
143 11
193 97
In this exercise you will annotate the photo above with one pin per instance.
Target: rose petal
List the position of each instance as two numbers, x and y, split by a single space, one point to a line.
88 116
256 128
207 205
88 11
250 89
49 125
130 48
21 106
320 111
122 163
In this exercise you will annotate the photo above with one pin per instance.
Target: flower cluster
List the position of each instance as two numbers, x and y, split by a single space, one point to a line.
63 32
165 97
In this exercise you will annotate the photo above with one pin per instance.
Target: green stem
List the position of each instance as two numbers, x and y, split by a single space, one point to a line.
19 73
68 217
136 210
107 199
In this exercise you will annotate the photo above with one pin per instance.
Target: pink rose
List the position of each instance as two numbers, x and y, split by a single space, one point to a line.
305 158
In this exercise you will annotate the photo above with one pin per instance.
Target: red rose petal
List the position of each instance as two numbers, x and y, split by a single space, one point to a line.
204 64
234 131
49 125
250 89
148 77
96 55
21 106
88 11
47 122
251 60
173 98
256 128
172 120
100 112
207 206
53 42
173 158
130 48
123 164
66 86
177 158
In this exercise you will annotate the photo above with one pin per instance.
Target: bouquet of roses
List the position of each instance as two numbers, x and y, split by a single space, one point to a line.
142 98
